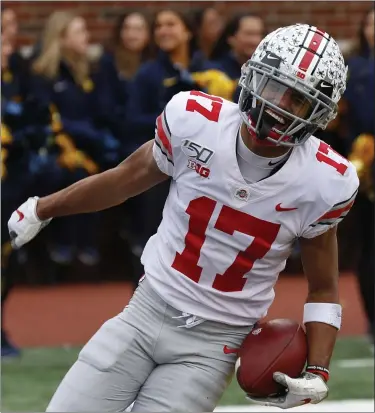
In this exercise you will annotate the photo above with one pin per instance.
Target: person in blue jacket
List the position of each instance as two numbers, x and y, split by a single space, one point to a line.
359 98
209 23
128 47
76 90
237 43
360 90
24 130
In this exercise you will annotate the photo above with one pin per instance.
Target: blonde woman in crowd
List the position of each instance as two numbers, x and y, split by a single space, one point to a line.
77 91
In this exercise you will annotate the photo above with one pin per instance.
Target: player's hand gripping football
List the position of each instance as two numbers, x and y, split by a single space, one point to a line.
24 223
308 388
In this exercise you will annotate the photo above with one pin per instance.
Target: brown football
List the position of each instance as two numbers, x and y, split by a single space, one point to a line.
276 345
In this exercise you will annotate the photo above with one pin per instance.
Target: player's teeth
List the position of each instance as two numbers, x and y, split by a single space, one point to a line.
279 118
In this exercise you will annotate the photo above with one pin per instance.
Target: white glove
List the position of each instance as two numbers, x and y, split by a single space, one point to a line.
24 223
308 388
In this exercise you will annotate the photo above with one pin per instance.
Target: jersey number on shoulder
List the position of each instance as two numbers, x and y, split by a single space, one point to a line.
323 153
216 104
228 221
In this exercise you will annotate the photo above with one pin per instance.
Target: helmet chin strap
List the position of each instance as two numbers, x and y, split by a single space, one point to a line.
267 122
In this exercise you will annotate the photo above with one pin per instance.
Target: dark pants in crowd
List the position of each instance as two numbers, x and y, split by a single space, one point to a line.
366 263
73 234
12 195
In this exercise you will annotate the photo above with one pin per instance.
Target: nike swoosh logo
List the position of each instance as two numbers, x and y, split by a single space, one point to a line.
20 215
228 350
270 163
325 84
272 57
279 208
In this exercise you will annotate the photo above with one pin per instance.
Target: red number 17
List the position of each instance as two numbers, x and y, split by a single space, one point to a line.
229 220
216 104
323 156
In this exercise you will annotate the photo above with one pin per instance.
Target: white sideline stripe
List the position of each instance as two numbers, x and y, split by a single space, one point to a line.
355 363
334 406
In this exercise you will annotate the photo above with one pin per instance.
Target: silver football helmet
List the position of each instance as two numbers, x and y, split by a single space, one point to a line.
291 85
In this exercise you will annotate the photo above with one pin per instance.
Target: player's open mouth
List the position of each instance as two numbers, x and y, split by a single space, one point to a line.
276 116
282 122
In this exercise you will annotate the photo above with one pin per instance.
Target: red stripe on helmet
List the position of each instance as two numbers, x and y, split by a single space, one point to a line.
311 52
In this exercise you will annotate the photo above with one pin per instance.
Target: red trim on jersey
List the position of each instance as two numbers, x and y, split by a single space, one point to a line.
313 47
336 213
162 135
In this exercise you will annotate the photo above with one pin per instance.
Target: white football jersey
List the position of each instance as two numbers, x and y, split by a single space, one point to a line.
223 242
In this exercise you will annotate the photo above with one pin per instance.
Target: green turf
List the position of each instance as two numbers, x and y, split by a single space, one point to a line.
29 382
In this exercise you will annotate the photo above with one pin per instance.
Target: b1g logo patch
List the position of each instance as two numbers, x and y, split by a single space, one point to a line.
198 168
197 152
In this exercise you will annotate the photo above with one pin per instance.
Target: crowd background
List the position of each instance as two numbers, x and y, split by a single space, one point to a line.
83 83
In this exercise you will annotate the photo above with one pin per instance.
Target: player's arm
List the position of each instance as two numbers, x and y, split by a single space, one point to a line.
322 312
322 319
151 164
318 241
133 176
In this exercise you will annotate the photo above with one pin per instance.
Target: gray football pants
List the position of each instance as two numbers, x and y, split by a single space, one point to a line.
143 355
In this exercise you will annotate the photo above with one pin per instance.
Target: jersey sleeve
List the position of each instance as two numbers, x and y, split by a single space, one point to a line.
162 149
174 125
338 210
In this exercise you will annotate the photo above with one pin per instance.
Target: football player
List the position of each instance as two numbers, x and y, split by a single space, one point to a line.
247 181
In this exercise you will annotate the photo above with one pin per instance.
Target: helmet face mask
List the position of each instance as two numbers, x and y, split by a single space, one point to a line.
283 103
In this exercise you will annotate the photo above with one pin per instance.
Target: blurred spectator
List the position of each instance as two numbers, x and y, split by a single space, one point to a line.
8 203
9 25
360 97
179 66
237 43
128 48
131 43
77 91
210 24
360 90
23 132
